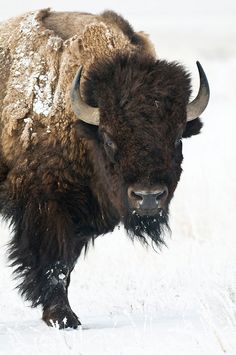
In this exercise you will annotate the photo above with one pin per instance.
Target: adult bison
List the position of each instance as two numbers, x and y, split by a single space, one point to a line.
80 155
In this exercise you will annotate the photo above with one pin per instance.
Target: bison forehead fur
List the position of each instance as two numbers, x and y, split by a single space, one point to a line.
63 182
142 106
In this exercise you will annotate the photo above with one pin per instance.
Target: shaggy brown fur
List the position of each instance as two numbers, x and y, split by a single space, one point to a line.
61 184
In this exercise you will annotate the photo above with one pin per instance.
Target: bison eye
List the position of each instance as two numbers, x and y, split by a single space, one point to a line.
110 147
109 144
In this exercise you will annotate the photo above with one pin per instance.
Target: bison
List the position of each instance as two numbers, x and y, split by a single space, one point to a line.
91 125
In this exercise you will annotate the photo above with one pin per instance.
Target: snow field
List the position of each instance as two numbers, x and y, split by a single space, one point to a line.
181 300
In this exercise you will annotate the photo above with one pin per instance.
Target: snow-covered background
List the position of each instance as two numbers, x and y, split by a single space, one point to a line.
181 300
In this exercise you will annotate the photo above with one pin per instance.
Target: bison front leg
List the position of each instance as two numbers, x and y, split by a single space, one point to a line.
56 307
44 249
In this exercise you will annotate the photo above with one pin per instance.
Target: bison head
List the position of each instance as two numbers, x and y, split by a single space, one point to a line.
136 113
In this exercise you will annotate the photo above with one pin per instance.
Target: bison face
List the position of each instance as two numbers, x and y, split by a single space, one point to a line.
135 136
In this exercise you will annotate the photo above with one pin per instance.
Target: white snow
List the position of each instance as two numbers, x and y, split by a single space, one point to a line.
181 300
28 25
43 97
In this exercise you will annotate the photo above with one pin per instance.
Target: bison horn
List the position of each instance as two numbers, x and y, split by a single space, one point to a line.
82 110
198 105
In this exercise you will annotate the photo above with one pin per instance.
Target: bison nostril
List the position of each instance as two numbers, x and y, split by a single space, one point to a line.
160 195
135 195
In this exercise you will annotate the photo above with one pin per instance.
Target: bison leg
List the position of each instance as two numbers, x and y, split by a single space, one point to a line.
56 307
44 249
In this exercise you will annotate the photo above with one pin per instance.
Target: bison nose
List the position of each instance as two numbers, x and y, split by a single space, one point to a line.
147 200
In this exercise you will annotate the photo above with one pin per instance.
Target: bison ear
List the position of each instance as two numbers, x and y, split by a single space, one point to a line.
192 128
85 130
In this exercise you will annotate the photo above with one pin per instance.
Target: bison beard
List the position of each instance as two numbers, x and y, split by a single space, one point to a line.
144 227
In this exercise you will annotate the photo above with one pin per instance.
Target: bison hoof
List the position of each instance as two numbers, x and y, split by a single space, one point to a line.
60 317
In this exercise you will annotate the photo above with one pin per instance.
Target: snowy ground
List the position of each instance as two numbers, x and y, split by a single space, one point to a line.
181 300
